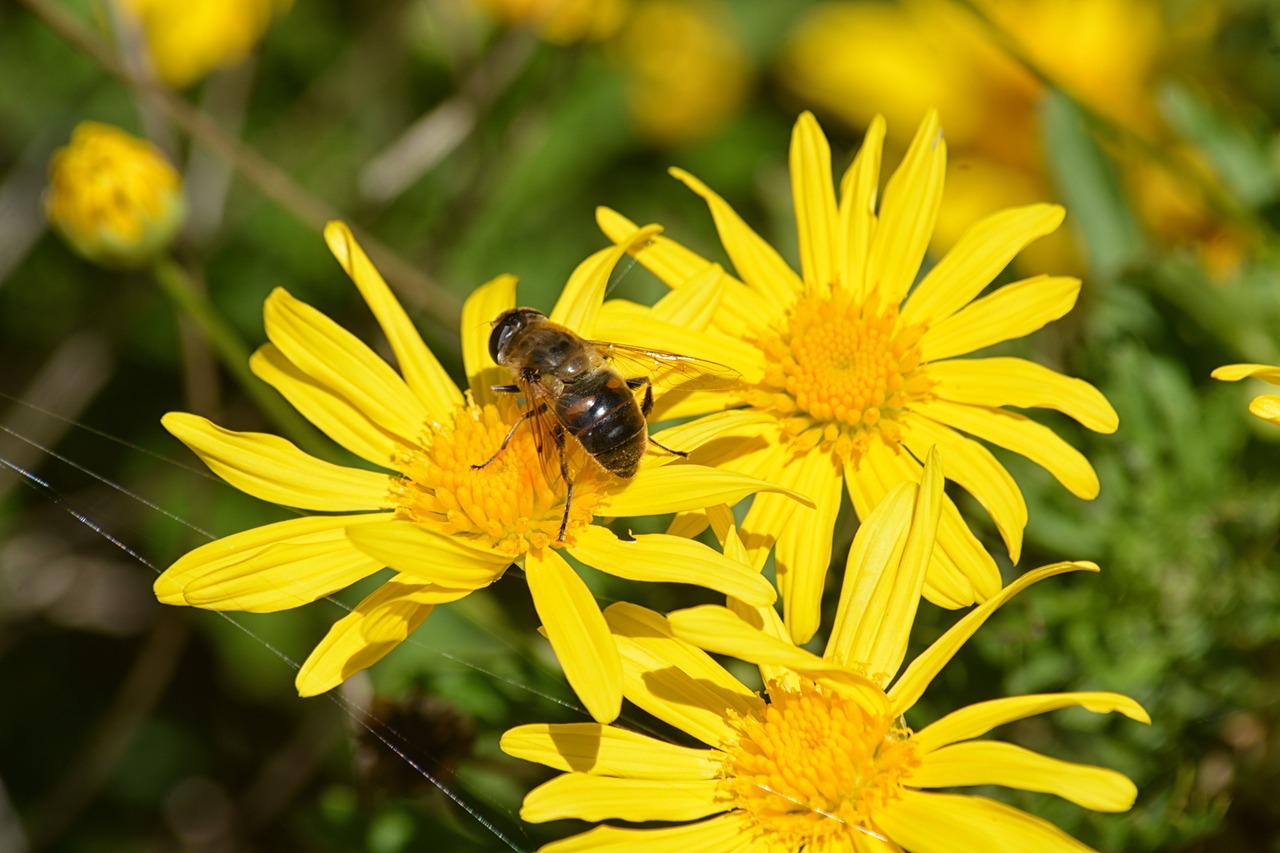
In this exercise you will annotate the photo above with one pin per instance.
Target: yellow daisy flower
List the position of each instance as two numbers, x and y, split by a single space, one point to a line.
444 526
850 369
1265 406
825 759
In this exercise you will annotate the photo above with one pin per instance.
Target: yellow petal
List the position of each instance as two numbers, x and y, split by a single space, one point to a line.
723 834
737 427
682 486
650 332
659 558
961 571
1266 407
1236 372
922 670
330 411
1023 436
1011 312
908 214
609 751
994 763
759 265
692 305
273 469
369 632
884 593
872 567
976 471
803 551
815 204
428 556
978 719
579 302
270 568
588 797
334 357
578 633
478 313
1017 382
422 371
976 259
673 680
723 631
858 190
955 823
665 258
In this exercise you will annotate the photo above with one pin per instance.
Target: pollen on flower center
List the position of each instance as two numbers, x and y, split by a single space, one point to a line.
838 369
516 502
813 766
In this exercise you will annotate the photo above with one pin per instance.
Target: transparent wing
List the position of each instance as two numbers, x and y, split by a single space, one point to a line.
543 422
667 371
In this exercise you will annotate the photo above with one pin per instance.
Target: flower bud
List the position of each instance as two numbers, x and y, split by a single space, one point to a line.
113 197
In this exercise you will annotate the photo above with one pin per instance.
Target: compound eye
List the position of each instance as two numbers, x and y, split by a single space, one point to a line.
504 328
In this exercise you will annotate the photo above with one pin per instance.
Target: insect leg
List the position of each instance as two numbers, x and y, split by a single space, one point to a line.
681 453
646 405
558 434
505 389
511 432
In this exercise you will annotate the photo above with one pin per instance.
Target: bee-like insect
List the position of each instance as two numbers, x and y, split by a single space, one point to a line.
572 387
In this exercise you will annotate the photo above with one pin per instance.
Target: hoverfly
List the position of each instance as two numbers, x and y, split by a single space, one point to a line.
572 387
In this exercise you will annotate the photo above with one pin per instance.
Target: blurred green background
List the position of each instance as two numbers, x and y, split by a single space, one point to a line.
475 138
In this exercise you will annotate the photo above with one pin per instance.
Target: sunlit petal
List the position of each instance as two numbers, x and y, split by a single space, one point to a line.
995 763
273 469
760 266
478 313
908 214
1023 436
334 414
369 632
334 357
956 823
722 834
578 633
858 192
428 556
803 552
1017 382
422 371
270 568
609 751
680 487
922 670
815 203
1012 312
978 719
976 259
1236 372
657 557
589 797
579 302
673 680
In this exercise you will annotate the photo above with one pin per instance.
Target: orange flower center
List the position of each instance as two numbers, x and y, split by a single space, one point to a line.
811 767
838 373
516 501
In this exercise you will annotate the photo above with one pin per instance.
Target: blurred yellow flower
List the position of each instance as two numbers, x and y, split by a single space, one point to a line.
850 369
562 21
824 759
1265 406
445 526
187 41
687 73
859 59
113 197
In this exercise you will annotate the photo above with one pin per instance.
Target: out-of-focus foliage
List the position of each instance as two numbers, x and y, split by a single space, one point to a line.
469 146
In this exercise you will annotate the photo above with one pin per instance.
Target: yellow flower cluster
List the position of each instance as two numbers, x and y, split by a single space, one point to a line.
850 374
113 197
